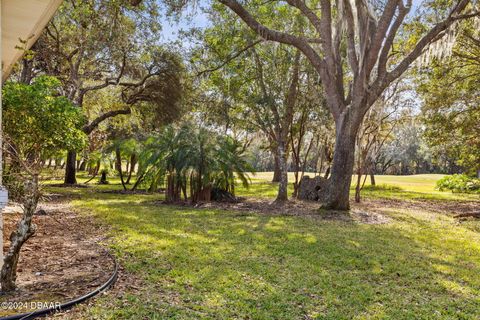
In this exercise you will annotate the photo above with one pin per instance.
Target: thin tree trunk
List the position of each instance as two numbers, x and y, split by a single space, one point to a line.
372 179
184 190
327 172
93 177
103 177
282 162
358 187
137 182
118 164
25 229
296 166
170 188
70 168
276 169
319 168
83 165
133 162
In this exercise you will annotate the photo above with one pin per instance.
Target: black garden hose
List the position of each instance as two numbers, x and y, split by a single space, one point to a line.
67 305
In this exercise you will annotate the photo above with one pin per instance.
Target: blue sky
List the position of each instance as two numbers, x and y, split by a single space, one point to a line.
196 18
193 17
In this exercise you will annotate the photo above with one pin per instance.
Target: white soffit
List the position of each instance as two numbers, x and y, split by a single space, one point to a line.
25 20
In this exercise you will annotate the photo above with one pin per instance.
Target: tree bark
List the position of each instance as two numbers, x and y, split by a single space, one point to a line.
282 163
25 229
358 187
70 168
337 197
137 182
133 162
83 165
327 172
276 169
118 164
372 179
103 177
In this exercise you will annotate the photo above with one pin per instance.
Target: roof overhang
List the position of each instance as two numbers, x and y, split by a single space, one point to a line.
22 20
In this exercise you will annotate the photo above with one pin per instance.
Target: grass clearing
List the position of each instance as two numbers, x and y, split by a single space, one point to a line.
413 187
213 264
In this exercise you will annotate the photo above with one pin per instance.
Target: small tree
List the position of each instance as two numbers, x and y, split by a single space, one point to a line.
193 162
38 122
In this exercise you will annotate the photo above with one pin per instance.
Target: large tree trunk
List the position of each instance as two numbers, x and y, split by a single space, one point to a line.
70 168
24 231
282 163
337 196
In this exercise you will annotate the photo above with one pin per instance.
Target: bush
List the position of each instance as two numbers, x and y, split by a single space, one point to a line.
459 183
383 187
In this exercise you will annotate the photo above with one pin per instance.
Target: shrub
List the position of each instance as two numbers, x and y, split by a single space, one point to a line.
459 183
383 187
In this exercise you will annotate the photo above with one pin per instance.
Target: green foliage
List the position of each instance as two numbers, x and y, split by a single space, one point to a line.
382 187
451 112
195 155
38 122
459 183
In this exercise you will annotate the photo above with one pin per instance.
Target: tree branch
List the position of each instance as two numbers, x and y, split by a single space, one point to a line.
433 35
383 59
230 58
110 114
307 12
382 28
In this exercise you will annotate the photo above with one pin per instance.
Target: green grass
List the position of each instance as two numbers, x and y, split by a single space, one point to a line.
212 264
413 187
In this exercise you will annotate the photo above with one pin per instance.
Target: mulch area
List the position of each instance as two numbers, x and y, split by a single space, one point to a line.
62 261
452 208
369 211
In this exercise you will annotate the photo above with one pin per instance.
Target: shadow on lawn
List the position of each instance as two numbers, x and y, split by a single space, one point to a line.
214 264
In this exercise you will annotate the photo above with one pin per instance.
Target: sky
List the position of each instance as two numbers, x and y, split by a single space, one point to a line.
190 18
196 18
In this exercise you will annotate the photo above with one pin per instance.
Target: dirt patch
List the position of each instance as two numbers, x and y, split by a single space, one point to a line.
292 207
63 185
62 261
453 208
130 192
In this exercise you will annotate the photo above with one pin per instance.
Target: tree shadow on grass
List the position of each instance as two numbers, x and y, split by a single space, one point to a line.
221 265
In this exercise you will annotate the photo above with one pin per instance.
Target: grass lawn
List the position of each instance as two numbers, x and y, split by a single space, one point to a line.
213 264
420 187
